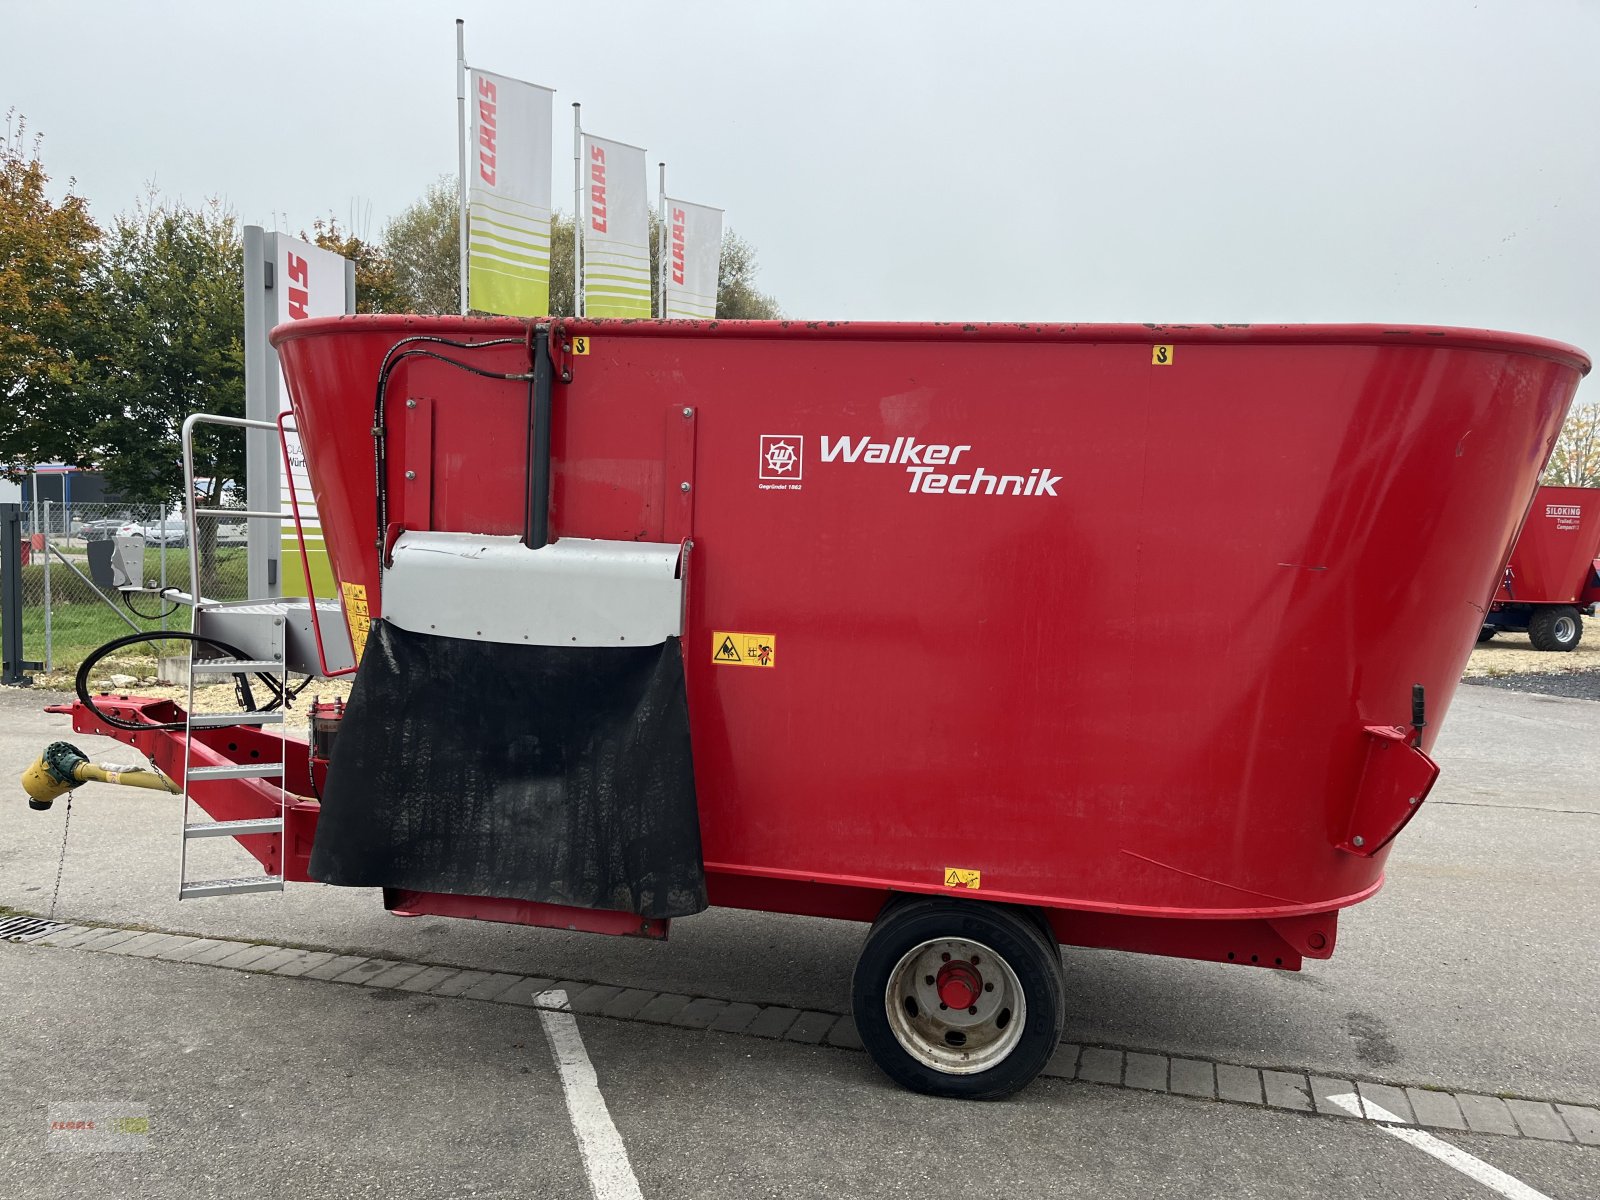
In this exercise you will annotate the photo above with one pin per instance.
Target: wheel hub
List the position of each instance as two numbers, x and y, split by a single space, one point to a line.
958 984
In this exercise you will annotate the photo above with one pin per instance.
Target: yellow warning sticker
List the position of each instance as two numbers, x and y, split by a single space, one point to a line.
1161 356
580 345
962 878
355 612
744 649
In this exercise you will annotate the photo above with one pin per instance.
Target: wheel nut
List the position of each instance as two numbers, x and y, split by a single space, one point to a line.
973 1011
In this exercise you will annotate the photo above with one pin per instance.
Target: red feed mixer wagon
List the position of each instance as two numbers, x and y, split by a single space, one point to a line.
792 616
1553 578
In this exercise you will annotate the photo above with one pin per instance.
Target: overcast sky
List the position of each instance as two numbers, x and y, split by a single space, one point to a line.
1190 160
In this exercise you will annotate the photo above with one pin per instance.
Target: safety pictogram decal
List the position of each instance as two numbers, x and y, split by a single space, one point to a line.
744 649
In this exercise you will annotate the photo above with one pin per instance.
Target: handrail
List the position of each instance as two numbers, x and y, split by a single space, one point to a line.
305 562
192 528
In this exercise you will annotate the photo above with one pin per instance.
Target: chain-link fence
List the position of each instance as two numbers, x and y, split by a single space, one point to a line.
70 607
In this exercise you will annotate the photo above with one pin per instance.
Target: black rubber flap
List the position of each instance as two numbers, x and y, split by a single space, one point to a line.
560 775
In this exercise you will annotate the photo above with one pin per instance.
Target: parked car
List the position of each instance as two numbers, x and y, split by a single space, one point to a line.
171 534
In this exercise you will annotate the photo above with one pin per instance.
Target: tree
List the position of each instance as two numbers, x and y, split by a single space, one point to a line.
737 296
1575 461
377 283
49 311
423 243
175 341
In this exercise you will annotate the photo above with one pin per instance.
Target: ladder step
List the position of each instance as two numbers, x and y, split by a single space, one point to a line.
219 720
233 666
238 771
233 828
230 887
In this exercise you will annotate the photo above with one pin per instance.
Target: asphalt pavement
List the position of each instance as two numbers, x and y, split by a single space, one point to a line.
1473 970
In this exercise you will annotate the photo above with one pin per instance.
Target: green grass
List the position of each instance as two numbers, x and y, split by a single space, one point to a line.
80 621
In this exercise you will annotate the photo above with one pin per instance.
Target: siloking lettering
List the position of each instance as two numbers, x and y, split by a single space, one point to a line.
929 466
597 188
487 107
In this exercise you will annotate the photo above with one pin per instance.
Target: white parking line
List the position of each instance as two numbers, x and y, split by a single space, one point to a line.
605 1158
1491 1177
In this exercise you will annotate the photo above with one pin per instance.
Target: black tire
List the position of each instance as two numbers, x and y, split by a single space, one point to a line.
1558 628
1486 633
930 1053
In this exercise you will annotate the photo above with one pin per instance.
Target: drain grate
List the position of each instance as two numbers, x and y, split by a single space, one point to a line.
25 929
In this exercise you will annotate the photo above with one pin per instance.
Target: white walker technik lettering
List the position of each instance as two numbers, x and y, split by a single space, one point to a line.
937 469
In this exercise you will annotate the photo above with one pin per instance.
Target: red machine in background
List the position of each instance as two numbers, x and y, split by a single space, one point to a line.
1553 578
790 616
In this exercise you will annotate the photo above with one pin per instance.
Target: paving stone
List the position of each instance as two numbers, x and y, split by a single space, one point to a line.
594 998
304 962
110 939
307 960
772 1021
1099 1065
810 1027
396 975
663 1008
276 959
428 977
1323 1089
61 936
1391 1099
247 957
572 987
488 989
735 1017
1063 1063
152 944
1284 1089
1538 1120
526 991
844 1034
1146 1071
1242 1085
84 933
459 982
1438 1109
1486 1114
210 956
364 971
1584 1122
1191 1077
194 950
628 1002
337 965
697 1014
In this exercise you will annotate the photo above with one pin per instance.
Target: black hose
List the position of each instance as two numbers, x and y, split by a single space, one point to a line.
82 681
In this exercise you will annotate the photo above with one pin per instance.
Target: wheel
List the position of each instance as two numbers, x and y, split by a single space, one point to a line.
1485 634
1558 628
958 997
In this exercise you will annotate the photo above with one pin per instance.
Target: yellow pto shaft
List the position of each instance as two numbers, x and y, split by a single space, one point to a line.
63 767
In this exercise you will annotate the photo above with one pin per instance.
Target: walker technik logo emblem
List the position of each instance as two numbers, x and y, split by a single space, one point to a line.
782 461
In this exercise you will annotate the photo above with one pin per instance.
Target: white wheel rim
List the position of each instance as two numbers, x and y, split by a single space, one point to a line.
1565 627
955 1040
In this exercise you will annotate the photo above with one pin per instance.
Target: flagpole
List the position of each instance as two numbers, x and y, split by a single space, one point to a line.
461 151
577 208
661 242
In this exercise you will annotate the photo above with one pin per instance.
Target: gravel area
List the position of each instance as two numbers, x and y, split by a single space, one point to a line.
1511 654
